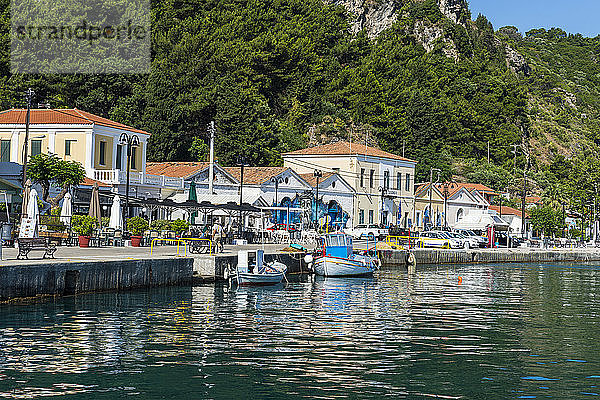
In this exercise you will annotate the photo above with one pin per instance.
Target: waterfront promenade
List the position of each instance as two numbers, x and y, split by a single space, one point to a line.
77 254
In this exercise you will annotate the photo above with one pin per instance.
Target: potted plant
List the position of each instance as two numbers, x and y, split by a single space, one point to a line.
137 226
84 226
179 226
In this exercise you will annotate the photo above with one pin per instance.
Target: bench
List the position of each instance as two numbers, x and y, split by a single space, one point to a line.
29 244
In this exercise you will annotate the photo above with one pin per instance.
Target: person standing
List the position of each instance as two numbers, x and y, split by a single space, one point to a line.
217 236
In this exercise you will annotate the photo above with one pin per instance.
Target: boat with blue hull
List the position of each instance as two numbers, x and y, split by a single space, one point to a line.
337 258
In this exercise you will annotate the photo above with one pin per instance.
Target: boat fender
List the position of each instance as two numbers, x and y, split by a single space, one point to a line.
410 259
226 274
308 258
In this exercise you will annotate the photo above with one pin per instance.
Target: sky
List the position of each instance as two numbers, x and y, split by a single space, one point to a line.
573 16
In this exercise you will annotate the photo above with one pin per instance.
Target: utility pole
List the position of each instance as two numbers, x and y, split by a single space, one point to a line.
431 191
318 174
29 98
211 170
523 224
242 164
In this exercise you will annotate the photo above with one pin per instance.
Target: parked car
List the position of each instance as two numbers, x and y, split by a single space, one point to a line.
481 241
370 232
455 241
469 242
437 239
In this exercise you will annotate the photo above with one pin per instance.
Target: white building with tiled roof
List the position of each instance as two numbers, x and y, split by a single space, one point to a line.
369 171
265 187
93 141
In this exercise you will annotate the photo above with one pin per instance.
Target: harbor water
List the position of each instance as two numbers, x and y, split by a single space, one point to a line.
473 332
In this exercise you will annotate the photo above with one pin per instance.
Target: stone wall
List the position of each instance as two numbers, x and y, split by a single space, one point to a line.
58 279
397 258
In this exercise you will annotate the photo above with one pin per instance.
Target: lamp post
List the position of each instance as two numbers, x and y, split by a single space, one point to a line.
317 174
446 186
431 191
29 98
242 165
383 191
129 140
276 181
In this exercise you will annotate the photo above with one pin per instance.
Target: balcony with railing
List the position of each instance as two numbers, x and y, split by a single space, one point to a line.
118 177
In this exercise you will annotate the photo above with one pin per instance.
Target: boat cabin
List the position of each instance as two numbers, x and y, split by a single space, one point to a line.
338 245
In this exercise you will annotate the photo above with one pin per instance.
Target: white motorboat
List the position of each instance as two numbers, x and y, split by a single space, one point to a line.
338 259
258 273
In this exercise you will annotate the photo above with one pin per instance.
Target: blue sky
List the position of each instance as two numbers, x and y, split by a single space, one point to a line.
574 16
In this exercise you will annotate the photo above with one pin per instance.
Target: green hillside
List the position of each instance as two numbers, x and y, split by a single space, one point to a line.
271 73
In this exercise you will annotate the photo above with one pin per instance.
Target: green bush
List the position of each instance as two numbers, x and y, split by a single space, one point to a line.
137 225
179 226
160 225
83 224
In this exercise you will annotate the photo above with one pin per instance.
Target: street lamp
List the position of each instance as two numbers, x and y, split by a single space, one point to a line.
28 97
276 181
317 174
446 186
383 191
431 190
130 140
242 162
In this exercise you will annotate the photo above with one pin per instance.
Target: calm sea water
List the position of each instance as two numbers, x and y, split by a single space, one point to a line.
506 332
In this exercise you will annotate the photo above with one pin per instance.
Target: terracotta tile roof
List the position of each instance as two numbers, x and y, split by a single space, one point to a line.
508 211
533 200
255 175
345 148
479 187
311 179
174 169
59 116
90 182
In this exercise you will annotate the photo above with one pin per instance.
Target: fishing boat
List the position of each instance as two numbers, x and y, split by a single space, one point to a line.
256 272
338 259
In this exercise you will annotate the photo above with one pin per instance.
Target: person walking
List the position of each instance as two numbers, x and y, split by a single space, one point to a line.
217 237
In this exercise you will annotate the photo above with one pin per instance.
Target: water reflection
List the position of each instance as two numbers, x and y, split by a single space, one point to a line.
501 331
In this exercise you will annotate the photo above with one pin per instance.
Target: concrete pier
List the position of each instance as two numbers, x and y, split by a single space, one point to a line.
113 269
68 278
397 258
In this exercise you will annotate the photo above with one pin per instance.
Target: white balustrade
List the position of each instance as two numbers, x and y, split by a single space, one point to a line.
115 177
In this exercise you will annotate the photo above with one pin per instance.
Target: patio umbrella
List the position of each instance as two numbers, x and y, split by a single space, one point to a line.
26 192
66 211
193 196
33 211
116 218
95 211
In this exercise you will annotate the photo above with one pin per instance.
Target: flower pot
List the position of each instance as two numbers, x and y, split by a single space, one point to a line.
84 241
135 241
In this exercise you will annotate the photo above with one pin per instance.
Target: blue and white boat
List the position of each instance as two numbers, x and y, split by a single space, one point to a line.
338 259
258 273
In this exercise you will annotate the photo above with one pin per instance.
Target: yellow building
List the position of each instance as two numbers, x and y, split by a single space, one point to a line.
89 139
383 182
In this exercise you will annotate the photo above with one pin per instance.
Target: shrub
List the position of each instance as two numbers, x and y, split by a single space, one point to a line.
137 225
160 225
179 226
83 224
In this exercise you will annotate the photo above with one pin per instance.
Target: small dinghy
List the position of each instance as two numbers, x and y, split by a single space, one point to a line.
258 273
